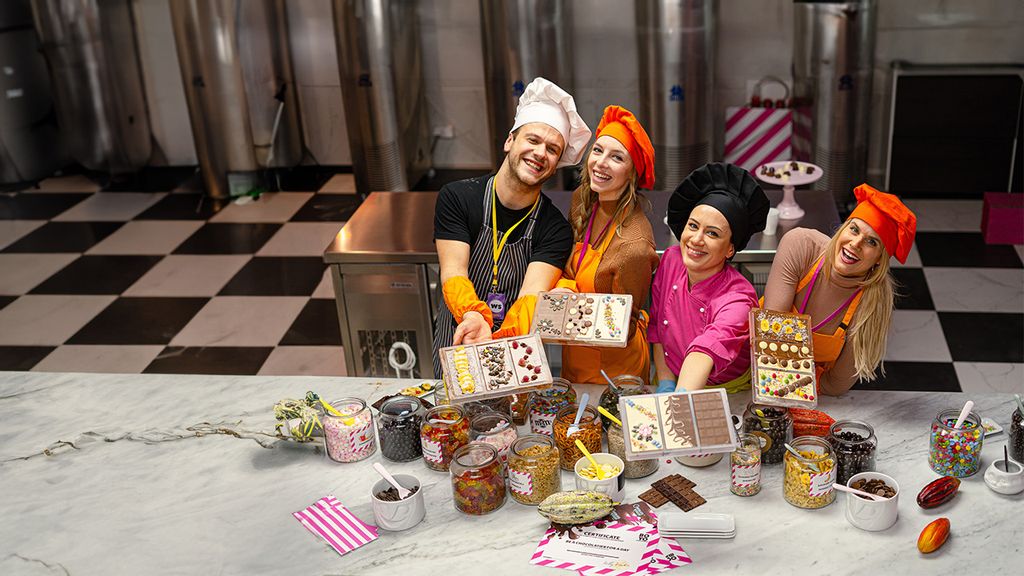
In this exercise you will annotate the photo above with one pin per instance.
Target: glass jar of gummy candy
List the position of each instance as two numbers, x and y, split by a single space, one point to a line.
478 485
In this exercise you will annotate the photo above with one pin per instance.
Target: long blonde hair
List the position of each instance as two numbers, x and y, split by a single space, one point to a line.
586 199
869 329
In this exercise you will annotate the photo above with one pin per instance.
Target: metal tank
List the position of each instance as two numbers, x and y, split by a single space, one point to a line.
237 72
522 39
97 82
30 145
833 61
381 72
677 52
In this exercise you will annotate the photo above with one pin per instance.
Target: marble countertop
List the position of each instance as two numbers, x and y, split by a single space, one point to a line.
166 474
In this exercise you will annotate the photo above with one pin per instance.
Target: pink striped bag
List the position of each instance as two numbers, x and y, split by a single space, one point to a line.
759 132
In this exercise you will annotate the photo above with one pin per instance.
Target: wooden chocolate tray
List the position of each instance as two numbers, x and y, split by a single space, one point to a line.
585 319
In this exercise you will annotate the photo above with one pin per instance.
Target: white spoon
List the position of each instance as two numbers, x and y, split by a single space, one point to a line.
575 427
845 488
963 414
402 492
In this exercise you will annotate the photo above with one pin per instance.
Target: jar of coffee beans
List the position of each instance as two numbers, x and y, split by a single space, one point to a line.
773 426
1017 436
398 427
854 445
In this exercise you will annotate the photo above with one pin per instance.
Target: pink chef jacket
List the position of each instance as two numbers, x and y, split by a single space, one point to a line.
712 317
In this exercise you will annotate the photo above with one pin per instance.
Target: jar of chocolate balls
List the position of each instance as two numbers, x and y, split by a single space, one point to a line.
773 426
398 428
1016 436
854 445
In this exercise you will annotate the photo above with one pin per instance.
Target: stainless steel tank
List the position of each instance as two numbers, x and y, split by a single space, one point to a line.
833 61
522 39
381 72
237 71
677 64
30 145
97 82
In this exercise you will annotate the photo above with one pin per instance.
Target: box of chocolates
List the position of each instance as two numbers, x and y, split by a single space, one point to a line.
677 424
782 359
472 372
584 319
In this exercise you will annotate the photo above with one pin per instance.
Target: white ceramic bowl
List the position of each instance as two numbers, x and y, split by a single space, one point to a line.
613 487
1005 477
872 515
400 515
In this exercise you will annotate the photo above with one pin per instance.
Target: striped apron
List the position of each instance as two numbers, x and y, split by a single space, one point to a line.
512 263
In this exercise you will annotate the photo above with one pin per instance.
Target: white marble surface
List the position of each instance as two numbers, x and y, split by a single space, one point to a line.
128 474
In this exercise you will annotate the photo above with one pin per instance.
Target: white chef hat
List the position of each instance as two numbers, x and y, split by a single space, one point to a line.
543 101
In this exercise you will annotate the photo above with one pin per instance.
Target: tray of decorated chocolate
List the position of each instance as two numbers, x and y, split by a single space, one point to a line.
584 319
495 368
677 424
782 359
789 173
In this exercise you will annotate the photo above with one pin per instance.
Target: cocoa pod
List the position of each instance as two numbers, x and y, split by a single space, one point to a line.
933 536
938 492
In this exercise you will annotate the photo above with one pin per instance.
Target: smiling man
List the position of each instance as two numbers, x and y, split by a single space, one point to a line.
499 240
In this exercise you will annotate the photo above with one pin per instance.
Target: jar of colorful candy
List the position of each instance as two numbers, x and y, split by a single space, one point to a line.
348 435
398 427
625 385
955 452
1016 436
478 486
809 477
745 466
589 433
773 426
444 430
533 470
494 429
545 404
854 444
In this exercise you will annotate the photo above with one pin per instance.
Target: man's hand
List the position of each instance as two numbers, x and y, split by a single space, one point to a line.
473 329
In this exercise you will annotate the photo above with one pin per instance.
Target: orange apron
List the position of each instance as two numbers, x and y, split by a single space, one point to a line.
826 346
583 364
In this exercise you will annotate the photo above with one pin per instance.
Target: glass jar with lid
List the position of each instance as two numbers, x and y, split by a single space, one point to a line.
617 446
444 430
745 466
855 445
545 404
495 429
625 385
348 432
533 469
1016 436
955 451
773 425
589 434
501 404
478 486
398 427
809 477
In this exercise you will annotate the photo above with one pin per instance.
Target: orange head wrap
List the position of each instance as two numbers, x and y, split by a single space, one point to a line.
894 222
622 125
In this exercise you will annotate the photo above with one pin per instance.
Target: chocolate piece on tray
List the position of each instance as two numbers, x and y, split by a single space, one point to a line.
550 314
677 418
679 491
712 422
584 318
782 363
654 497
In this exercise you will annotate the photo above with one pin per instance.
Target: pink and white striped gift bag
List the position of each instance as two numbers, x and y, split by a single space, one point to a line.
754 136
328 519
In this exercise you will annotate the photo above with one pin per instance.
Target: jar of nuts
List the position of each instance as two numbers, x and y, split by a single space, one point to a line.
809 477
854 444
589 433
533 470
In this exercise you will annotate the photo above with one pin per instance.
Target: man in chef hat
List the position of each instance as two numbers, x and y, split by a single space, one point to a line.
499 240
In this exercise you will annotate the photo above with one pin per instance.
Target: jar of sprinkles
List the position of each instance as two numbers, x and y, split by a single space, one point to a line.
348 434
955 452
545 404
496 429
745 466
855 445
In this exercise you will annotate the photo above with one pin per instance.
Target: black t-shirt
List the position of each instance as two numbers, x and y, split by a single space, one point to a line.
459 215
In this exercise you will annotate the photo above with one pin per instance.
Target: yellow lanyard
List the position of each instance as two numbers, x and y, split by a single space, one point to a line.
495 245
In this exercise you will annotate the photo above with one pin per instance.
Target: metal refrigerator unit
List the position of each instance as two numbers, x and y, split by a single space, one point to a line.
384 269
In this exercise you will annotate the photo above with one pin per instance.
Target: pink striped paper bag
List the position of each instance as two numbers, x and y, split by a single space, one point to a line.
754 136
328 519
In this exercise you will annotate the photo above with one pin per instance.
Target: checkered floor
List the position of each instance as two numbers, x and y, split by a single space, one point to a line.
162 282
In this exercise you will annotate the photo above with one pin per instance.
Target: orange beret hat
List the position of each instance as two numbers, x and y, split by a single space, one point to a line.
622 125
895 223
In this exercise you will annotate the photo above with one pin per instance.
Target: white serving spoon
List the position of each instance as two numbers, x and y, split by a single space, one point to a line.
845 488
402 492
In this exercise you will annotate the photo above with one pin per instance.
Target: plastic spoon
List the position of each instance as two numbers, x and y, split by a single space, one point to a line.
844 488
597 467
612 384
968 406
609 416
575 427
403 493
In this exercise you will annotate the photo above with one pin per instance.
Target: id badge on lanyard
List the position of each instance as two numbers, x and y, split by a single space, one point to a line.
496 301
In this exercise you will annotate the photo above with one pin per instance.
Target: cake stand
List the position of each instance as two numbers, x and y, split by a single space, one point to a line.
788 208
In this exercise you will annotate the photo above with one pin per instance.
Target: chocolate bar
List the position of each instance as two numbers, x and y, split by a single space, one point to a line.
500 367
584 319
677 424
654 497
679 490
782 359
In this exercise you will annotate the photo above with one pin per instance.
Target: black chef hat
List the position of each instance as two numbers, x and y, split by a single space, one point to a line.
729 189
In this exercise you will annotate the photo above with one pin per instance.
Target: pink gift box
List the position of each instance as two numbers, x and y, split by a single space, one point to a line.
1002 218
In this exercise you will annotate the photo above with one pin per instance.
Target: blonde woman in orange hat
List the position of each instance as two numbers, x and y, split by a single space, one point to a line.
843 282
614 251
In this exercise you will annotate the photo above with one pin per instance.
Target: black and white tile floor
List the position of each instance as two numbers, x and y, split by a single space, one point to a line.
160 282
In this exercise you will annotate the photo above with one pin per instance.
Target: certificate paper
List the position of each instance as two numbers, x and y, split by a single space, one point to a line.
619 547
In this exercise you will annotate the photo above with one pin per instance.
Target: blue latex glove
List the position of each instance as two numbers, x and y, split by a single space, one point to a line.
666 386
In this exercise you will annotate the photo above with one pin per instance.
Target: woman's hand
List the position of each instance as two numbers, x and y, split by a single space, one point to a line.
560 291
